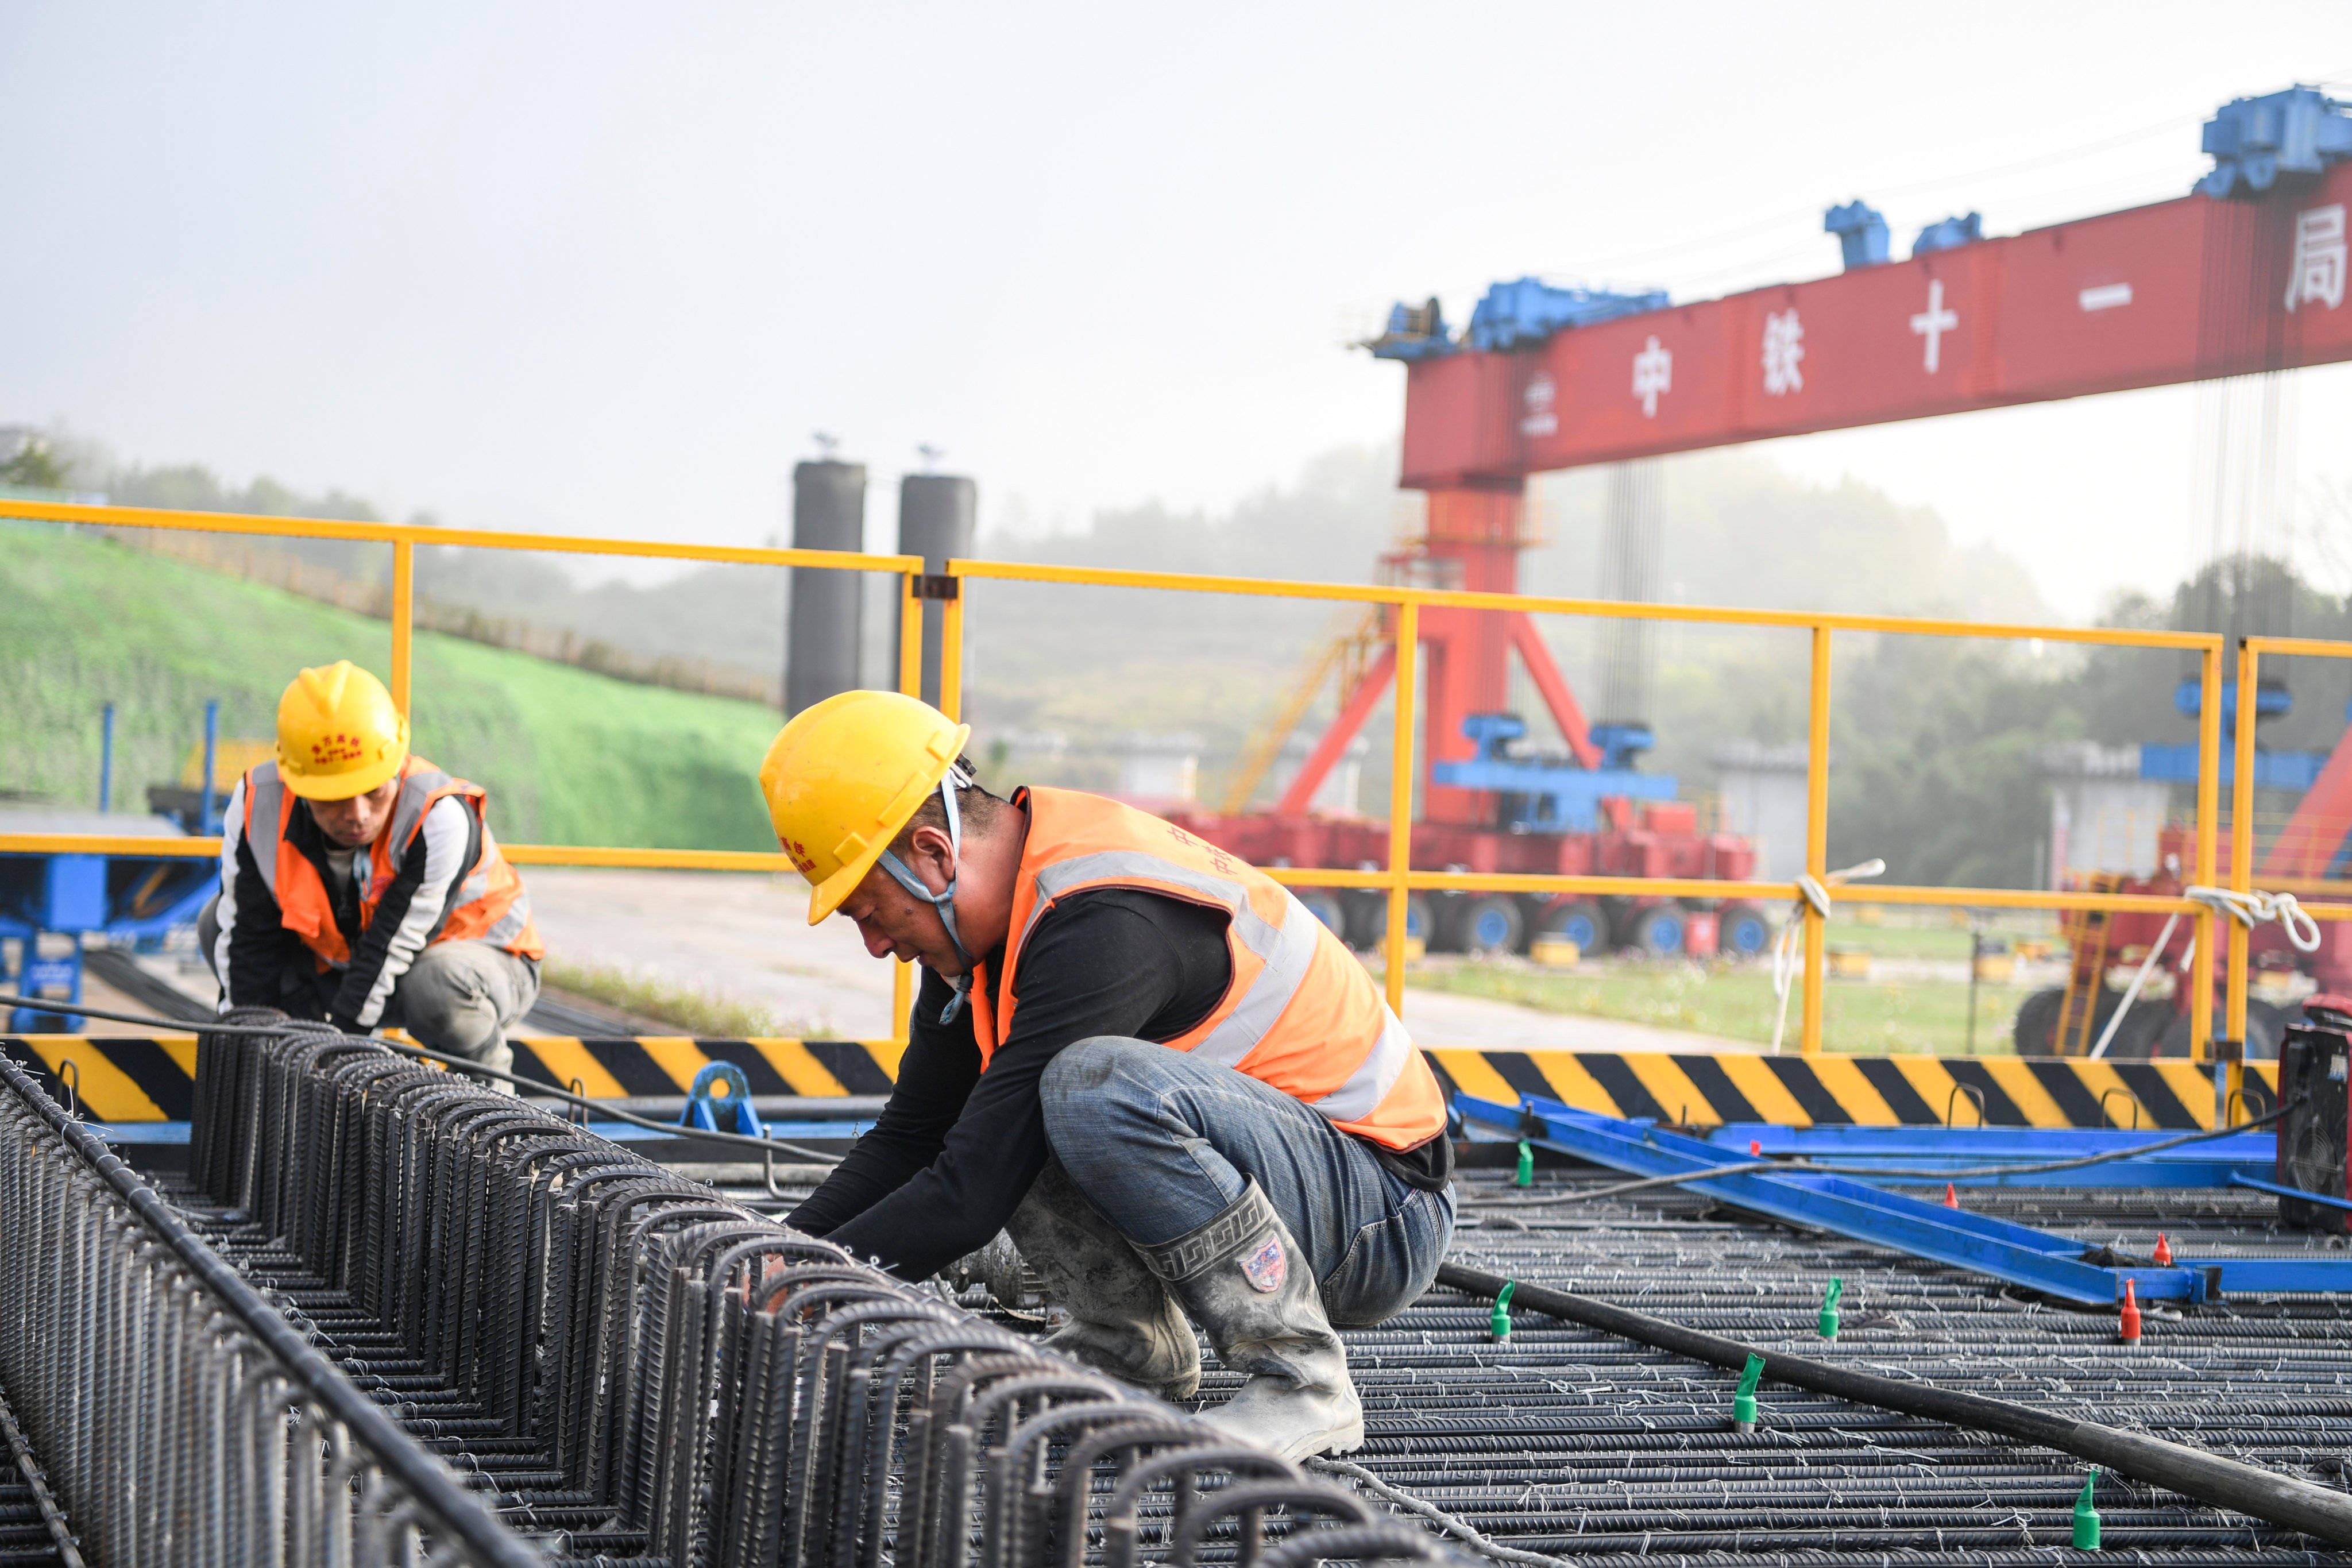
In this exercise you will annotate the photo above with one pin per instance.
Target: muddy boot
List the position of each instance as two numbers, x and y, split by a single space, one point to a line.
1246 1282
1122 1320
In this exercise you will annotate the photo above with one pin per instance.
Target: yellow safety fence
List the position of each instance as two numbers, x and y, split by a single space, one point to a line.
1404 604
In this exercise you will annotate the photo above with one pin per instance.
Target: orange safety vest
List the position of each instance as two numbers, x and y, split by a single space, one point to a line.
1301 1015
490 905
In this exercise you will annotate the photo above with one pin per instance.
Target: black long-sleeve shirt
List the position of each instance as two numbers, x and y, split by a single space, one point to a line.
955 1149
266 965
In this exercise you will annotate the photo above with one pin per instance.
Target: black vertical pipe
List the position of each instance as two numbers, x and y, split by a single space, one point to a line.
827 606
935 519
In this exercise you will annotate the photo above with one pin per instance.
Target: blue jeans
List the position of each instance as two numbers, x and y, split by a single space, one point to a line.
1164 1143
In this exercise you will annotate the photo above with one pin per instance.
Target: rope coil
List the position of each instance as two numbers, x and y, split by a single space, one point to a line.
2251 908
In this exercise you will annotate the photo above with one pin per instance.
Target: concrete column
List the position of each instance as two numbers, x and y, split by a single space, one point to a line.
827 607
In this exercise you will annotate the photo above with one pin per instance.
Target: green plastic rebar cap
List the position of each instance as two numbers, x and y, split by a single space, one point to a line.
1743 1403
1526 1177
2086 1518
1498 1323
1829 1324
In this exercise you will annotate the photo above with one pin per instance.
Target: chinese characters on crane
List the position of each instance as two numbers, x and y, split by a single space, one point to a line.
1539 420
2317 275
1934 322
1784 351
1654 372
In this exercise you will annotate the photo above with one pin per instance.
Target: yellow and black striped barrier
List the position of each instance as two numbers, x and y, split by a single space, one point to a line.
152 1079
1701 1088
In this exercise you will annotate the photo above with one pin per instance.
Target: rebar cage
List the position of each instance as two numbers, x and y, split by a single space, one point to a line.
401 1317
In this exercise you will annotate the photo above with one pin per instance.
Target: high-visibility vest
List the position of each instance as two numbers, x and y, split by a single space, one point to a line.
1300 1014
491 904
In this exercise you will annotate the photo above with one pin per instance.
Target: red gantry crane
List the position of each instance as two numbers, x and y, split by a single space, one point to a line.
2245 275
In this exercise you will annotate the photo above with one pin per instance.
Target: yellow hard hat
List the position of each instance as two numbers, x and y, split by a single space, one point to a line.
338 734
845 776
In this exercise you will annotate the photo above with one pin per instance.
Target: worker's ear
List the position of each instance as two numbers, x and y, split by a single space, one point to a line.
931 855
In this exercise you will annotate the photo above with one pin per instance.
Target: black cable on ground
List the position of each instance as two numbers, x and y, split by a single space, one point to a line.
464 1064
2207 1477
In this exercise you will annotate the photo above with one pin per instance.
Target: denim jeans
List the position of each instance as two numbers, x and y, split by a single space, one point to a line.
1164 1143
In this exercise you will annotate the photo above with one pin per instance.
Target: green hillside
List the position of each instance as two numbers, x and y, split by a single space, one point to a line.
568 757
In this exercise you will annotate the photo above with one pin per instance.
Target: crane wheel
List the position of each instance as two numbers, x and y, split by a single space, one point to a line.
1489 923
1581 921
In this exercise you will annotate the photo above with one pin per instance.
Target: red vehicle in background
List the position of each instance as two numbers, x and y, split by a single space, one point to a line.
1488 803
2107 950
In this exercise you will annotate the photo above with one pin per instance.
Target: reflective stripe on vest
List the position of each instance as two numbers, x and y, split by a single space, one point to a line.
1301 1014
490 905
265 800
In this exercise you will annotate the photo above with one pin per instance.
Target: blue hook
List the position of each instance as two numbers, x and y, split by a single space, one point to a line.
722 1090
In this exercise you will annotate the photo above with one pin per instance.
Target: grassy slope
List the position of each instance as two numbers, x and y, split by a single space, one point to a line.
568 757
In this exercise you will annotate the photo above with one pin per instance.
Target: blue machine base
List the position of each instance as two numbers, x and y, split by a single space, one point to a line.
2212 1164
2057 1266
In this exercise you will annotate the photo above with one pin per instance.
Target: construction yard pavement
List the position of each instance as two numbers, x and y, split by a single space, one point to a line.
746 940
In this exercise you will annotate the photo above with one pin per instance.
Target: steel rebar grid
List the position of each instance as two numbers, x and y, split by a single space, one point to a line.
178 1415
1568 1441
32 1527
622 1355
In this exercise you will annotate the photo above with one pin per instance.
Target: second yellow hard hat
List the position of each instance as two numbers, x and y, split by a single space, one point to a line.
844 776
338 734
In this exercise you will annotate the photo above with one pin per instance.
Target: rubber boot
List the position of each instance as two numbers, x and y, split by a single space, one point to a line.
1246 1282
1122 1320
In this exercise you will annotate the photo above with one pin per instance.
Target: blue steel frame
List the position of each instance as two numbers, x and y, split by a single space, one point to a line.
73 901
2054 1265
2213 1164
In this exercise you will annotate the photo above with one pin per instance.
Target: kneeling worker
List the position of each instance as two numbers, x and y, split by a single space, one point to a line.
361 885
1145 1059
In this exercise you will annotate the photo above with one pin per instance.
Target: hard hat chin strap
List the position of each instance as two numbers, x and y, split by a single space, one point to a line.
944 902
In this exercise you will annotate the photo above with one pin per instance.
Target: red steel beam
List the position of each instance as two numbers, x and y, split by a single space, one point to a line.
1299 798
2183 291
2308 845
1553 688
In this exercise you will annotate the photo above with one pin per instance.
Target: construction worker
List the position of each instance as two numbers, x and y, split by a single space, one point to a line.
1142 1058
360 883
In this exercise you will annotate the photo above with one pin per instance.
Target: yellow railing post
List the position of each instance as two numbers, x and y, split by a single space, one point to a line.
2209 848
404 618
951 651
910 684
910 635
1408 664
2242 836
1817 834
2228 1077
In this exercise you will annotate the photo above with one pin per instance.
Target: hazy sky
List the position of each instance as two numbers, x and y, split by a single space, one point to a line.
603 269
